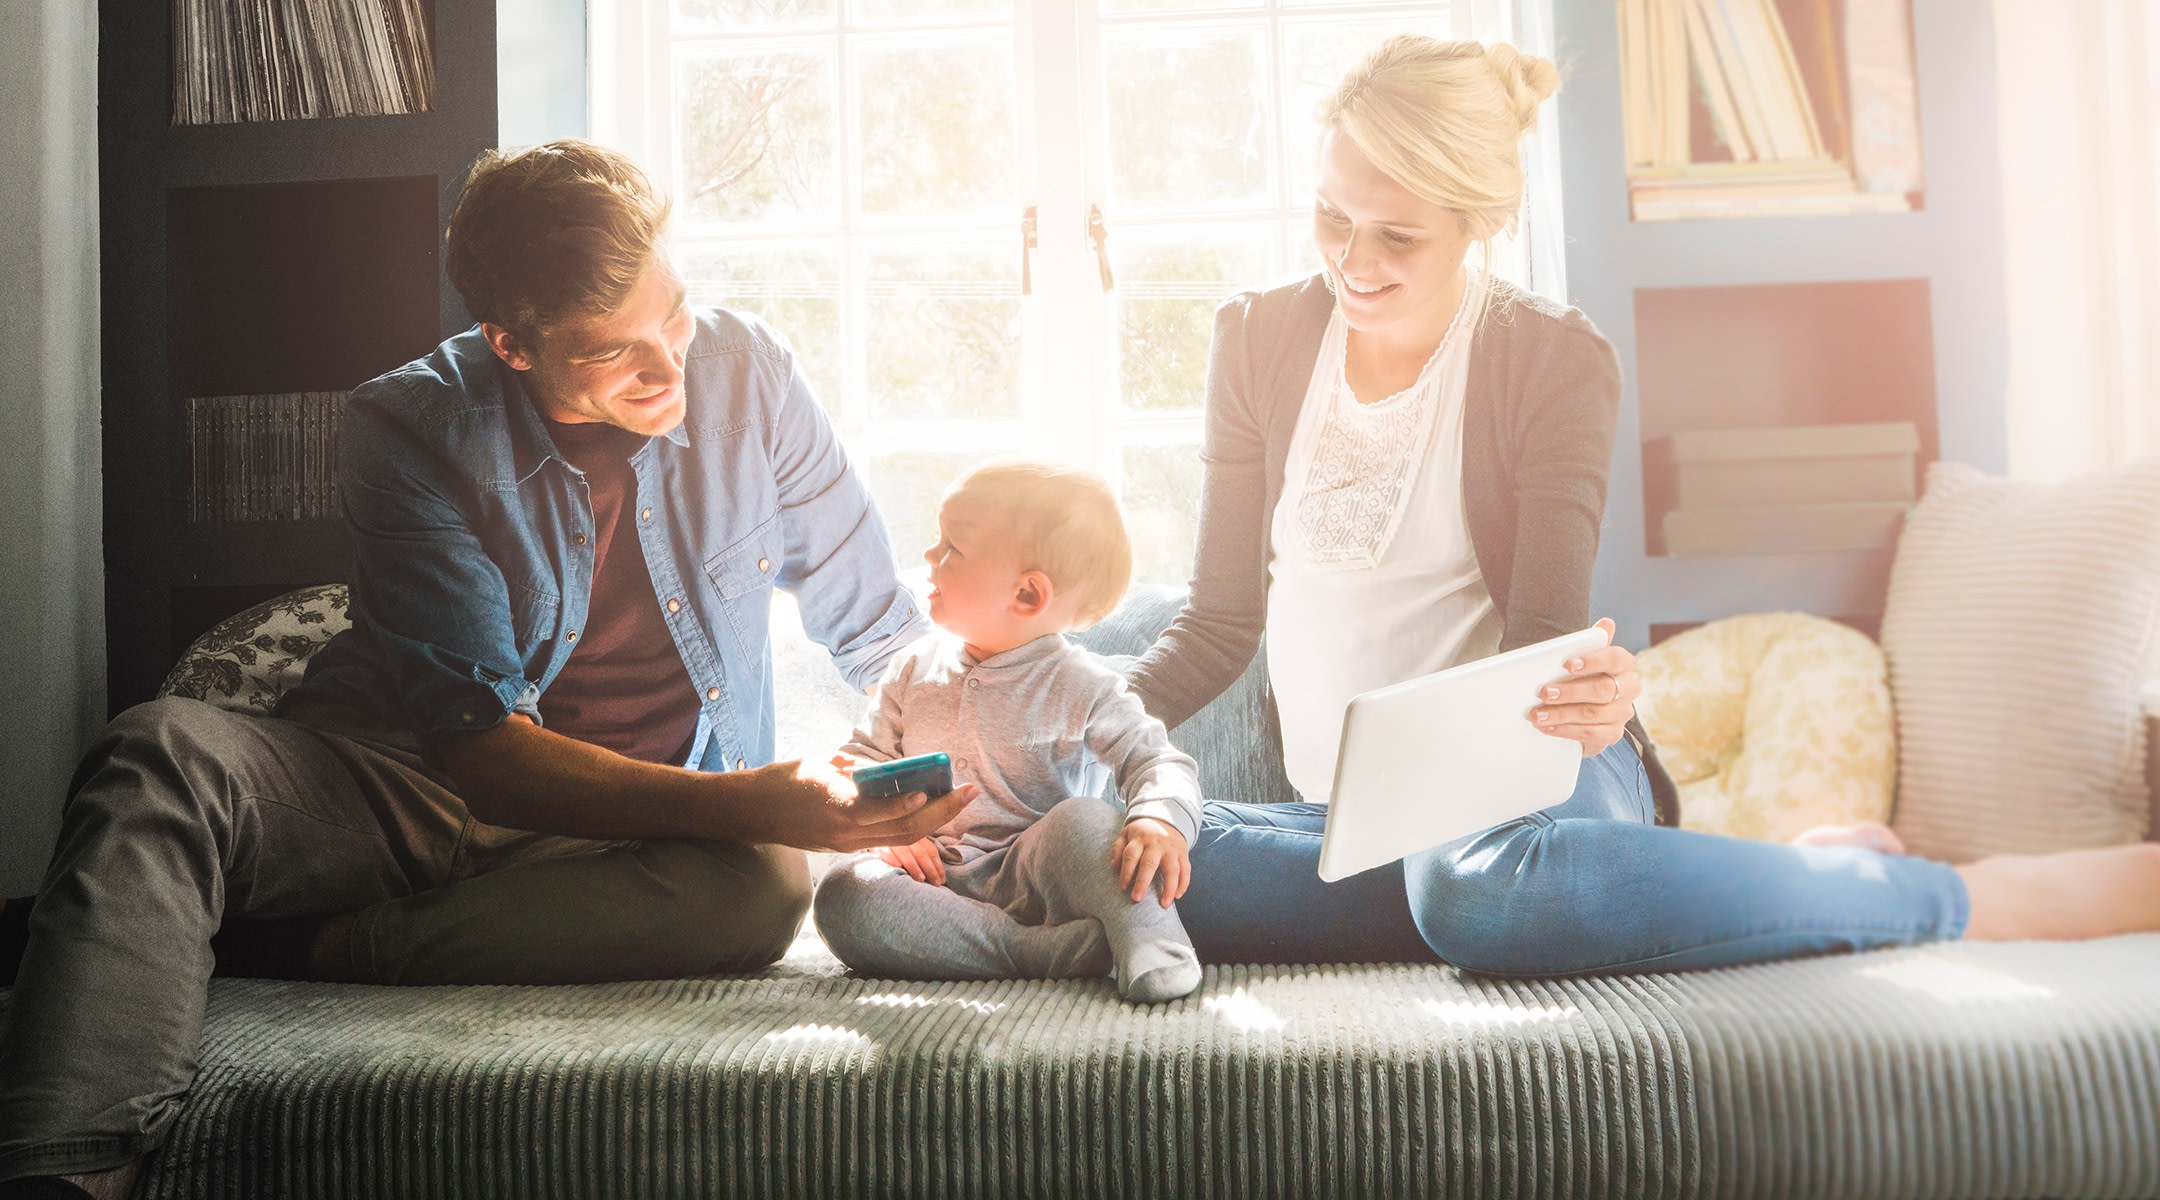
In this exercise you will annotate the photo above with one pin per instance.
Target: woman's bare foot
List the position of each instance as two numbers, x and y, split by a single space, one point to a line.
2073 894
1867 835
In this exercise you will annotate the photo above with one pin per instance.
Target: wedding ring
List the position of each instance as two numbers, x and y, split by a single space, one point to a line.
1615 689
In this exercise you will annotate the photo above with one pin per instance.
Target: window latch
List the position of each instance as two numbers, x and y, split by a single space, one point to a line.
1027 247
1099 234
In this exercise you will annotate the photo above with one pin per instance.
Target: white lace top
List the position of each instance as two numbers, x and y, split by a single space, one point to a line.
1374 579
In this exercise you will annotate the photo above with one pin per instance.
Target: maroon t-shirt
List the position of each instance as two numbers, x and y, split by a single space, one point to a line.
624 687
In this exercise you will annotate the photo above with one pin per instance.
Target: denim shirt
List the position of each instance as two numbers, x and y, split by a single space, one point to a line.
474 542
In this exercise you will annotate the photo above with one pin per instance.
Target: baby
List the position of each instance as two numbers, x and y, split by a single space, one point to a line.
1036 878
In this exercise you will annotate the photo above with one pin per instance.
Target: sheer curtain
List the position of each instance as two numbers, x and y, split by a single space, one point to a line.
2079 111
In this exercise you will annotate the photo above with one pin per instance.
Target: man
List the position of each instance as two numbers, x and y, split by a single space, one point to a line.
541 754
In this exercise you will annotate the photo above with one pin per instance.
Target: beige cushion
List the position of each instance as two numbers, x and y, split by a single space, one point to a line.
1771 724
2019 629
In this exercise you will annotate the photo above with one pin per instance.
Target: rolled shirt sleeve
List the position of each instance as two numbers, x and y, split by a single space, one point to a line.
437 605
839 558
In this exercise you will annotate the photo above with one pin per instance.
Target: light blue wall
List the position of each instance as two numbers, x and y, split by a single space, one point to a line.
1956 243
540 70
52 599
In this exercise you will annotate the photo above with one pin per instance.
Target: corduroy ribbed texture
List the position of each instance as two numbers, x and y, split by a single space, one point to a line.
2022 620
1958 1070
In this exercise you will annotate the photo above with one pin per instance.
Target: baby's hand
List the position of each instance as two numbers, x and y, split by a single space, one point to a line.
1145 846
919 859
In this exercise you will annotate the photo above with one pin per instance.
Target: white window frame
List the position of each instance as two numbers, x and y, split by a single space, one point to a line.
1069 408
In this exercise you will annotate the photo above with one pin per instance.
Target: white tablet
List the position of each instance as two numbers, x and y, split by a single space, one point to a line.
1436 758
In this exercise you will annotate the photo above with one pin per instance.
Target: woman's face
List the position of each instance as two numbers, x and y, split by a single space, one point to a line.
1394 256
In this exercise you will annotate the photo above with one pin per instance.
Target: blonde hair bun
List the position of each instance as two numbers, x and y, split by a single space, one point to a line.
1528 79
1446 120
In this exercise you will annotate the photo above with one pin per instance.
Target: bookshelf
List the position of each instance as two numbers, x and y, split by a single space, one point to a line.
1745 108
1708 316
264 259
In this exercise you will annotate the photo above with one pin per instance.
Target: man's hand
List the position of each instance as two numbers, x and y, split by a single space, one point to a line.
919 859
1593 704
1145 846
814 807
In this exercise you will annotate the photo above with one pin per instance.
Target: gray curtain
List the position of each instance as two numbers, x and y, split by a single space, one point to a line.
52 612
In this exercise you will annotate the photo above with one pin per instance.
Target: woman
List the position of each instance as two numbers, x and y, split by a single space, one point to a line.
1406 470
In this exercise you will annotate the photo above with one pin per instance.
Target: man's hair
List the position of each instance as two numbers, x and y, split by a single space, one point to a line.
1062 521
555 230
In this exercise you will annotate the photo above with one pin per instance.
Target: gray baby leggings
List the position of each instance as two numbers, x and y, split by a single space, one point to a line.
1047 906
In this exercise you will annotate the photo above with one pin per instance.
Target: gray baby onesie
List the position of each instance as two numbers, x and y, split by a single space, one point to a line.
1039 729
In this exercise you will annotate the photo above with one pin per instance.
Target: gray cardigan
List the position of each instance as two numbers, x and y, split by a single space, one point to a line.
1540 405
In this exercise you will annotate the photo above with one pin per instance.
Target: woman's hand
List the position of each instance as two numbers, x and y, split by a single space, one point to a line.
919 859
1593 704
1144 846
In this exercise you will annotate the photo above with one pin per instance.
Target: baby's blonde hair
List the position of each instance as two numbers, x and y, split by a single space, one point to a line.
1062 521
1446 121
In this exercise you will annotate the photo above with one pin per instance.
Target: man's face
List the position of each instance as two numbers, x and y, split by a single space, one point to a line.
623 368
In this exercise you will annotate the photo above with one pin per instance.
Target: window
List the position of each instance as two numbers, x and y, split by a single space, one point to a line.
862 175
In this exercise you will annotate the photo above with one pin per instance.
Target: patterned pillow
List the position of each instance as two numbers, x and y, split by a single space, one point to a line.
250 659
1772 724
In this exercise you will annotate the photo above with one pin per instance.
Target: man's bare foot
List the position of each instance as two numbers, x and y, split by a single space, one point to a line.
2074 894
115 1184
1867 835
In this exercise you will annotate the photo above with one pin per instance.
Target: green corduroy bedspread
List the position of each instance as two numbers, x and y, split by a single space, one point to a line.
1954 1071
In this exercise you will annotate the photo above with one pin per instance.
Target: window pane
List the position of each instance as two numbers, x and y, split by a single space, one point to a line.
1169 284
795 289
943 332
694 15
1172 5
1187 118
1315 58
937 129
889 10
1161 495
907 487
757 137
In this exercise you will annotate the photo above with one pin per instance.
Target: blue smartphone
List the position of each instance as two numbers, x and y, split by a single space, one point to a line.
927 773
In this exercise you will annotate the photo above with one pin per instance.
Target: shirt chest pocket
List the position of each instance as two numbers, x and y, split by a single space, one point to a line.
742 576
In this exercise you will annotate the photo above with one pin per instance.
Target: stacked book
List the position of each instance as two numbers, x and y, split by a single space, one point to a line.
1811 107
1780 491
283 60
263 458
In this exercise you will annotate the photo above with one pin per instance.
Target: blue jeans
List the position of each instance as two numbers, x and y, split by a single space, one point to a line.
1590 885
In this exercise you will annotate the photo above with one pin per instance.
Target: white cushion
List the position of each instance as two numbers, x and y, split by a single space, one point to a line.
2020 628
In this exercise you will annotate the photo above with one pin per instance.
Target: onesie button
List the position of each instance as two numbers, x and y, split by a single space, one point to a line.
974 682
959 764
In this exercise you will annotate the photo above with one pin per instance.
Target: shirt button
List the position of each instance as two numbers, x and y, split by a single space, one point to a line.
738 764
466 717
764 564
959 764
573 635
674 606
644 514
712 693
577 539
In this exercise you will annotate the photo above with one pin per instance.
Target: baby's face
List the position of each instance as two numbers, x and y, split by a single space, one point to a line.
974 576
